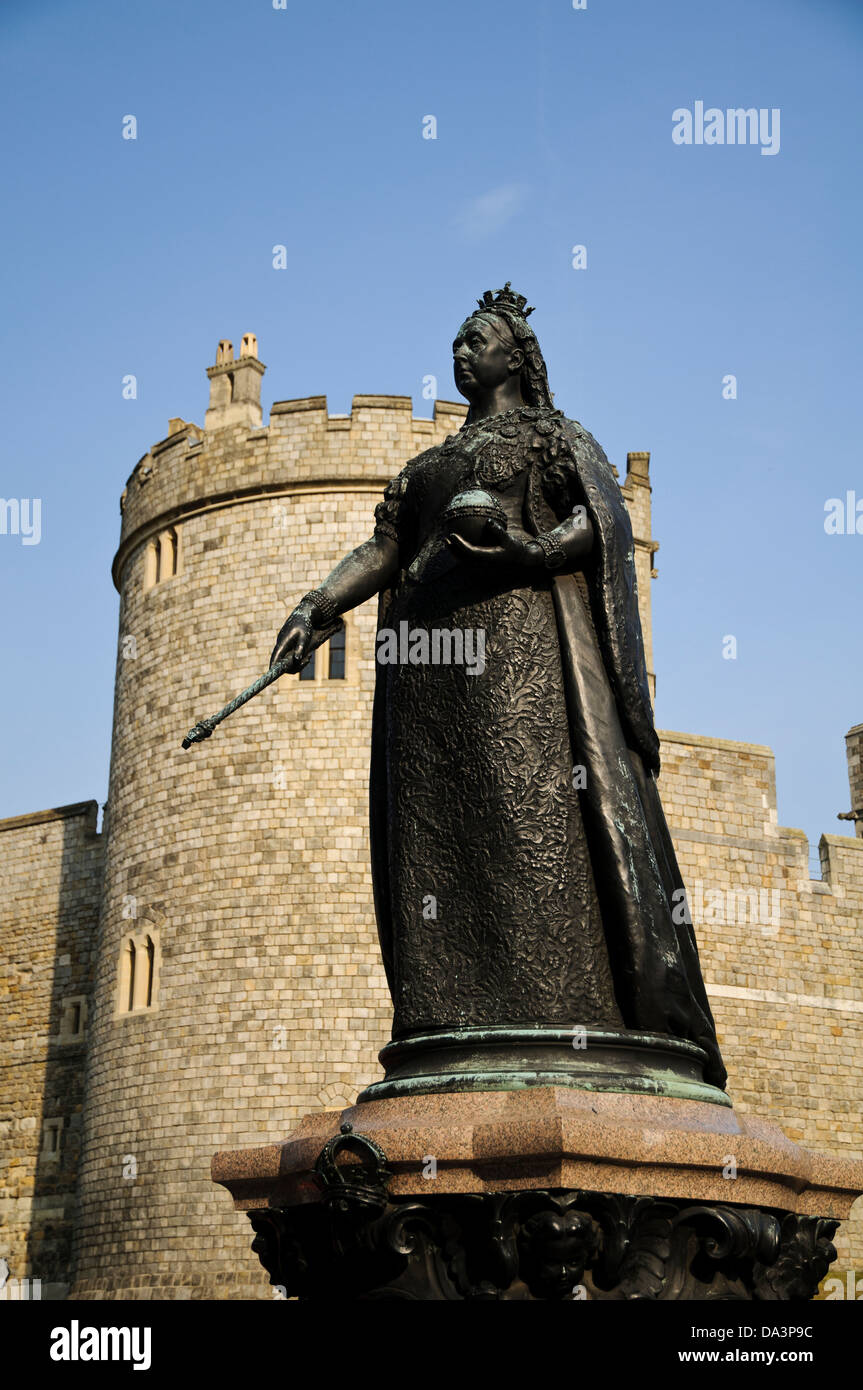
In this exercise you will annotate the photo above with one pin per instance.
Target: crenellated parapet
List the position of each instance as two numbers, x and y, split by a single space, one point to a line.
302 448
237 981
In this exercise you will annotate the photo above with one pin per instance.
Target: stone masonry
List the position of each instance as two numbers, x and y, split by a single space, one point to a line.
52 875
237 872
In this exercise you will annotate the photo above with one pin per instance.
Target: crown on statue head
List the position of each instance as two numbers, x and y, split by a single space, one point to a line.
505 299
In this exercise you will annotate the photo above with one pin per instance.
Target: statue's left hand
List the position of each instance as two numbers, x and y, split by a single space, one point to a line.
501 548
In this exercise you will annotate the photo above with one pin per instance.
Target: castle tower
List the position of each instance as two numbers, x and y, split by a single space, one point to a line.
237 981
854 749
636 491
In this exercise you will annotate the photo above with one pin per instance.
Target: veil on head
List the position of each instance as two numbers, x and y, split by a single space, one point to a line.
510 308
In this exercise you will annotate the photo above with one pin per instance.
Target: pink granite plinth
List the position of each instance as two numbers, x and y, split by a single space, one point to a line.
555 1137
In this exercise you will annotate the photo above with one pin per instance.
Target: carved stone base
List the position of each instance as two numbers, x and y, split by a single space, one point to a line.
541 1245
541 1193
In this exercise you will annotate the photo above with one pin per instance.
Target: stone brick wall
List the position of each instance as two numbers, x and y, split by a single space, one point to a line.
247 853
302 445
49 904
245 861
782 953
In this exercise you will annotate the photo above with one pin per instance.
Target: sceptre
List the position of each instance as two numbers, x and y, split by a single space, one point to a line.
204 728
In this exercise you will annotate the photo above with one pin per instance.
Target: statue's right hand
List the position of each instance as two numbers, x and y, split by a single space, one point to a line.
293 641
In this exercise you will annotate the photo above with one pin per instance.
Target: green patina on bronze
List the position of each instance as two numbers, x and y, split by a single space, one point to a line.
513 1058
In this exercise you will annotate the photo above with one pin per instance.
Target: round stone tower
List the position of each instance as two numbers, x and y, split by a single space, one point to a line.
237 980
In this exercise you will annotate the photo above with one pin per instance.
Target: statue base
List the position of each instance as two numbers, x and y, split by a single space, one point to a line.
508 1058
541 1193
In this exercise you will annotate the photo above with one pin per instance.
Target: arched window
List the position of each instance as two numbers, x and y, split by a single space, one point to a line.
162 558
168 554
138 983
151 565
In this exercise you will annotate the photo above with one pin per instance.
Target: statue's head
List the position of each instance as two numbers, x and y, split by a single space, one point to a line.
496 343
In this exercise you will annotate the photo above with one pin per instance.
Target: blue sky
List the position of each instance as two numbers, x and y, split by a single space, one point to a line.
303 126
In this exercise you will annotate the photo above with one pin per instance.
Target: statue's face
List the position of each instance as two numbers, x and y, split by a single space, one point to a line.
484 357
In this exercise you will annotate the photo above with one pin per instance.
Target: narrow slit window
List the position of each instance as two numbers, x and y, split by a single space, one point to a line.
73 1019
51 1134
337 656
151 565
130 1000
169 554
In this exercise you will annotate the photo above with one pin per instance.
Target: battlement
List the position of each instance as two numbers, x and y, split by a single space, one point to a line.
247 979
302 448
722 793
88 809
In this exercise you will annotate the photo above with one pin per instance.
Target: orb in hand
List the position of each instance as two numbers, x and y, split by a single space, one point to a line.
469 513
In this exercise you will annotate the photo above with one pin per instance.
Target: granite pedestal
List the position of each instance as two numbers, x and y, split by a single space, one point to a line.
543 1192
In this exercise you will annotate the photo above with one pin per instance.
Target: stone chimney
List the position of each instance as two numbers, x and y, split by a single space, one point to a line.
235 386
854 749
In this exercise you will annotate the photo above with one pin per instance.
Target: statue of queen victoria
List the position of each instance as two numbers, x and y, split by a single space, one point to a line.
526 888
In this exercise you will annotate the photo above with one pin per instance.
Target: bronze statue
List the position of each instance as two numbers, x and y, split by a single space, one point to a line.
524 875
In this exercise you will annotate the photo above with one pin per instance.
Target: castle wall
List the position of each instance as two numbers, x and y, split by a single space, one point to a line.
302 446
782 953
51 882
247 854
243 865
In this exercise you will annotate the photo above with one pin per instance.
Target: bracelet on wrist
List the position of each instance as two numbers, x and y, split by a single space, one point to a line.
322 604
553 553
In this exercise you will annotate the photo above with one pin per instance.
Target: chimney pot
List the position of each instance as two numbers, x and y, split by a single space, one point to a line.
235 387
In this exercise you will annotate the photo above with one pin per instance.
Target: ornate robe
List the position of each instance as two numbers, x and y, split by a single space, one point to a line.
522 865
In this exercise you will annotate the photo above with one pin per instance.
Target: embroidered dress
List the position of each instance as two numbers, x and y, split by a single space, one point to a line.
517 832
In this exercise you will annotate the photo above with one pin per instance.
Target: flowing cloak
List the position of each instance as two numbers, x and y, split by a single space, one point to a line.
651 943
